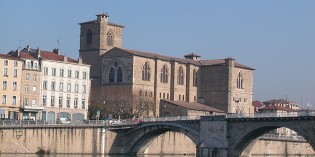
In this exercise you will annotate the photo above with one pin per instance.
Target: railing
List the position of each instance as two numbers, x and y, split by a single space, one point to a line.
283 137
135 121
114 122
261 115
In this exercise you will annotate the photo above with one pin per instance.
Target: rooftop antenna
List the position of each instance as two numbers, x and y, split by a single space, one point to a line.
20 45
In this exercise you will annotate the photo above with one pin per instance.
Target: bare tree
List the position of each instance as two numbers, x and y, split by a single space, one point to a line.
118 104
142 106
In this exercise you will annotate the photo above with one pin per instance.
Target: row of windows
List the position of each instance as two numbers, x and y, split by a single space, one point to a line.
30 65
5 72
27 77
6 63
26 89
4 99
53 87
61 73
60 101
5 85
26 102
146 74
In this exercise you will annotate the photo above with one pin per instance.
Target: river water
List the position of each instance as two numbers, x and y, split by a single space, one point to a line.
74 155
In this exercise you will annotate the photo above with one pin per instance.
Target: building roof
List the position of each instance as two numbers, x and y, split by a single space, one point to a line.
192 55
193 106
5 56
257 104
45 55
275 107
278 101
181 60
109 23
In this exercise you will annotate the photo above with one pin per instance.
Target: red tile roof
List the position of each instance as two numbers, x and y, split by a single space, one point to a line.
257 104
5 56
45 55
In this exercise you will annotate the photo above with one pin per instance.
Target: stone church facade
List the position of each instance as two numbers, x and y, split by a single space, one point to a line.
223 84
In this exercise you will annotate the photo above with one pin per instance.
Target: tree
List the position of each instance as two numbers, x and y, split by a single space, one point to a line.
118 104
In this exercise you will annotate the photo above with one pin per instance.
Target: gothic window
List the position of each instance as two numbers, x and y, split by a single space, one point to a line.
146 72
194 78
119 75
180 79
115 73
110 39
89 37
111 75
239 81
164 74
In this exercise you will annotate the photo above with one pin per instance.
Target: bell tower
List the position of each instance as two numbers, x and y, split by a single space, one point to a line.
96 38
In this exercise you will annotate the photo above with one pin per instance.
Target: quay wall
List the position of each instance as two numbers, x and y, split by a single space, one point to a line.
97 140
74 140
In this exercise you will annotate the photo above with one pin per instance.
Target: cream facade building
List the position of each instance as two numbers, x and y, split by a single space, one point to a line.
31 107
10 90
64 85
223 84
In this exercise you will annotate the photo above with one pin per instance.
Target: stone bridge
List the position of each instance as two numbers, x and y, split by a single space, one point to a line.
215 136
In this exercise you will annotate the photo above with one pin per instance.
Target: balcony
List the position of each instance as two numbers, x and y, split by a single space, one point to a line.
33 108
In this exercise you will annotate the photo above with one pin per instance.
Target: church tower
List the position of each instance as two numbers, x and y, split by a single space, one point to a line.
96 38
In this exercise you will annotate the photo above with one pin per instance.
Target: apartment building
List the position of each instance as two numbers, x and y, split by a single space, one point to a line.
10 89
63 85
31 108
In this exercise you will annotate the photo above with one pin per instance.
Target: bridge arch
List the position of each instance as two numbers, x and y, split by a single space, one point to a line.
140 137
241 144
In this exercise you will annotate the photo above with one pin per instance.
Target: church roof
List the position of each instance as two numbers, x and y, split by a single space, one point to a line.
181 60
194 106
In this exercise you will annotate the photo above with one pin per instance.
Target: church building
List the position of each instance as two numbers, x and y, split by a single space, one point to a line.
223 84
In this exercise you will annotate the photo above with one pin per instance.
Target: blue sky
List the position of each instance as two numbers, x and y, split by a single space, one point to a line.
277 38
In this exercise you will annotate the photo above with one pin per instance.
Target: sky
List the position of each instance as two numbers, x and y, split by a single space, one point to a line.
277 38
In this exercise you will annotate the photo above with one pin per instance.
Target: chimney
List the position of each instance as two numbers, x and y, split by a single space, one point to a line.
17 53
38 53
57 51
28 48
80 60
102 17
65 58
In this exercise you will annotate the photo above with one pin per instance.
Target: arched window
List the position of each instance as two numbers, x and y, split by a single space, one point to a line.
110 39
111 75
239 81
164 74
119 75
89 37
146 72
194 78
180 79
